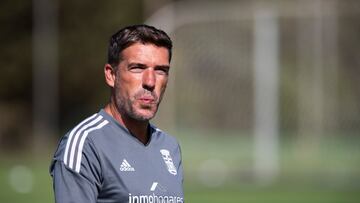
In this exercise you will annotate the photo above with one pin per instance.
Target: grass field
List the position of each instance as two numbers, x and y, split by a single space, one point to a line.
220 170
273 194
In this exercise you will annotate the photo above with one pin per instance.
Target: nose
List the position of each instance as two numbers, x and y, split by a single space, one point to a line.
149 79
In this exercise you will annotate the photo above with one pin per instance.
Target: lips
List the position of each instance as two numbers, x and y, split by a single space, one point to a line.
147 99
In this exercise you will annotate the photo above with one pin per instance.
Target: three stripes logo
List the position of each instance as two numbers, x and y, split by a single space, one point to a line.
76 140
125 166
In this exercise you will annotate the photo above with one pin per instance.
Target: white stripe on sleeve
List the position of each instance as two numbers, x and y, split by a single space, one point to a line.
81 144
66 154
74 144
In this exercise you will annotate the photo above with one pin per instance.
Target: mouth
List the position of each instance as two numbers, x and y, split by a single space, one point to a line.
146 100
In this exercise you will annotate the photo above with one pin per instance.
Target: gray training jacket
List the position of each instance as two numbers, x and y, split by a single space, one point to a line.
99 161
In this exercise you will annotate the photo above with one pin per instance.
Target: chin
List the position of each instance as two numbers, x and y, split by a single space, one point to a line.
144 116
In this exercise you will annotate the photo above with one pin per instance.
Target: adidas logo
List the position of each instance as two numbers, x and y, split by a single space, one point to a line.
125 166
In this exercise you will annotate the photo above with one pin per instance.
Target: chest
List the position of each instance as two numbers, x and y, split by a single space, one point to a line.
131 171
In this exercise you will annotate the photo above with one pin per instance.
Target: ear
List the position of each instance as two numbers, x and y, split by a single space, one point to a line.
109 75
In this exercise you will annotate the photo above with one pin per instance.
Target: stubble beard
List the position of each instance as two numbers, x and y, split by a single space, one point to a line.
127 108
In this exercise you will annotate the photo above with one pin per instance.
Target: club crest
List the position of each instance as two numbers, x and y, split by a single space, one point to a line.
168 161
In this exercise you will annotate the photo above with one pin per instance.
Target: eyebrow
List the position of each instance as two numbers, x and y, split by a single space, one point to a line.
144 66
137 64
162 66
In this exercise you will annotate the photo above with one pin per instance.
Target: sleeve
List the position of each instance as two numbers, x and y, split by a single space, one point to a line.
77 178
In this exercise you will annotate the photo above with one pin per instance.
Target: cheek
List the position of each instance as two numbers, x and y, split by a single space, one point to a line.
162 88
125 86
120 90
163 84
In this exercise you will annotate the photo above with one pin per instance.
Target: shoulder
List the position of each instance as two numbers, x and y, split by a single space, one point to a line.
77 141
165 137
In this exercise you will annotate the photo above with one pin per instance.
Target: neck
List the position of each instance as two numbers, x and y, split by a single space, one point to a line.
138 129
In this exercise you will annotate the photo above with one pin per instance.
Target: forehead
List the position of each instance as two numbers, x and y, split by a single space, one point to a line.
146 53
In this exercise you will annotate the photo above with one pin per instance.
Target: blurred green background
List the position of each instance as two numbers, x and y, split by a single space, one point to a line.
264 96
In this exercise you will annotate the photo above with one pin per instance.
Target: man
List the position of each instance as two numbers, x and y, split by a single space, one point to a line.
116 155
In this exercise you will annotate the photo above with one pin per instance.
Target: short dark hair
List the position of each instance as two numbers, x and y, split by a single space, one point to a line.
130 35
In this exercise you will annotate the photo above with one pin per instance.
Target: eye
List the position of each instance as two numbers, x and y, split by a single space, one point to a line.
162 70
136 69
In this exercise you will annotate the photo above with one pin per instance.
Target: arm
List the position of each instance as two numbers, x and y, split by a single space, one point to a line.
180 167
76 186
70 186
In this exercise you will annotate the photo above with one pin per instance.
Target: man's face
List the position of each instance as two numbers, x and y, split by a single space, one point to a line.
140 80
